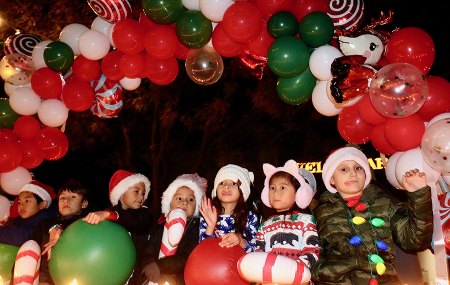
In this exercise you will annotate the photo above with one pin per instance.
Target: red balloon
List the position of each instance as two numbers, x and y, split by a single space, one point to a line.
182 51
242 21
78 95
368 112
161 42
259 46
351 127
161 72
404 133
46 83
10 156
303 7
6 134
26 127
411 45
132 65
270 7
208 263
146 22
379 142
111 65
53 143
32 154
86 69
438 99
223 45
128 36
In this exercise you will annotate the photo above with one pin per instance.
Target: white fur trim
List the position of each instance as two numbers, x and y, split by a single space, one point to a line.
173 187
126 183
337 157
41 192
234 173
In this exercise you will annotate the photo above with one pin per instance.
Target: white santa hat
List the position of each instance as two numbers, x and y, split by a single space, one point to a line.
337 157
42 190
303 195
192 181
234 173
122 180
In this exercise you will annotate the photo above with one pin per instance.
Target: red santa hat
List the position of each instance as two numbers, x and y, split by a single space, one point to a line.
337 157
234 173
122 180
192 181
303 195
42 190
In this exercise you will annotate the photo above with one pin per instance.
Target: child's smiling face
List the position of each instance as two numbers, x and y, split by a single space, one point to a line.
348 179
134 197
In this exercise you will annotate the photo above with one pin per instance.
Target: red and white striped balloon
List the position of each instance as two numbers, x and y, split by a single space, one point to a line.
108 98
28 260
111 11
346 14
173 232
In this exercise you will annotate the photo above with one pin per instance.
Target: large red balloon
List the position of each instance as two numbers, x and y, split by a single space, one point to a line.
46 83
404 133
270 7
128 36
209 264
26 127
242 21
368 112
301 8
161 72
6 134
111 65
223 44
259 46
351 127
53 143
10 156
161 42
86 69
438 99
411 45
379 142
132 65
78 95
32 154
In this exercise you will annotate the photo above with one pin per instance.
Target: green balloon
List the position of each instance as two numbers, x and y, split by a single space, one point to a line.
58 56
163 11
288 57
7 115
282 24
93 254
7 258
316 29
296 90
193 29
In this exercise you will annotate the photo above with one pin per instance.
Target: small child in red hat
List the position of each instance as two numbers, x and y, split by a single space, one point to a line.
34 201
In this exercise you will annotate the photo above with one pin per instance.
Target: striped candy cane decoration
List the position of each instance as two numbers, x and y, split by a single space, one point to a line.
173 232
28 260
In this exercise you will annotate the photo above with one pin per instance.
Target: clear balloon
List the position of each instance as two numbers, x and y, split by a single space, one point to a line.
398 90
436 146
204 66
16 69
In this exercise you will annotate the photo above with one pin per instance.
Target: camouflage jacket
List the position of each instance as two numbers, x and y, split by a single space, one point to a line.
409 226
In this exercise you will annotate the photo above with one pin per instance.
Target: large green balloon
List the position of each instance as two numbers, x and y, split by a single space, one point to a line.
282 24
58 56
7 115
7 258
163 11
193 29
288 57
316 29
93 254
296 90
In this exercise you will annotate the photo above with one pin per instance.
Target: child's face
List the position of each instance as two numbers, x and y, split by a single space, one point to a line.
184 198
228 191
28 205
281 194
70 203
134 197
348 179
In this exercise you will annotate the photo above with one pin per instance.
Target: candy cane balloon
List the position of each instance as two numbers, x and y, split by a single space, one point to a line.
272 268
28 260
173 232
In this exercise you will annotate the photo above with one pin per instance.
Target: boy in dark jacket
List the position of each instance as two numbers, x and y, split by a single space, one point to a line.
358 223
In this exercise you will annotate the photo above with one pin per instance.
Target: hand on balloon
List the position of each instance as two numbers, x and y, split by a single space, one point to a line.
152 272
232 239
54 236
96 217
209 213
413 180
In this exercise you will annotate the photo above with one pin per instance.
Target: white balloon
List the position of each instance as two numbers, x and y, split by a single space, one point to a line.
24 101
38 54
214 9
109 35
437 118
71 33
12 181
390 170
412 159
5 206
9 88
101 25
93 45
321 59
321 102
191 4
130 83
53 112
